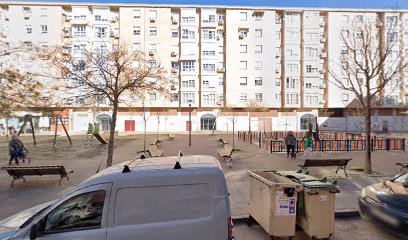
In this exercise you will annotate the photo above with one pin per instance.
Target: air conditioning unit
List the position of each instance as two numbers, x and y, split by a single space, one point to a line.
323 55
174 70
114 34
114 19
221 23
323 101
322 71
241 36
173 54
221 70
379 24
174 20
323 86
218 38
173 87
277 71
323 40
152 20
322 24
151 53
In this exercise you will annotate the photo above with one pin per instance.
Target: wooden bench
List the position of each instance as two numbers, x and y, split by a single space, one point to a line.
226 153
339 163
155 142
155 152
222 141
18 172
403 165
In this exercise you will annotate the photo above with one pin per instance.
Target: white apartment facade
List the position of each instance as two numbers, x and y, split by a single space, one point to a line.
218 57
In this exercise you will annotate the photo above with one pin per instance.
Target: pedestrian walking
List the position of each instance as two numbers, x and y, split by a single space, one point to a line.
308 146
290 141
16 149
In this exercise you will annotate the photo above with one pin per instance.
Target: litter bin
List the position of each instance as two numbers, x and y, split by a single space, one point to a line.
315 213
273 203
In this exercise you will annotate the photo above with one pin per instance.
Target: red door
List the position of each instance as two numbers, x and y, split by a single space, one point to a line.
129 125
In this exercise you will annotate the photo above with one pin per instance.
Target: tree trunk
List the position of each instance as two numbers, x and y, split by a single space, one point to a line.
367 163
214 126
158 126
144 140
111 145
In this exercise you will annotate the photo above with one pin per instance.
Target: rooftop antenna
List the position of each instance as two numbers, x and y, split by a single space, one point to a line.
178 166
126 168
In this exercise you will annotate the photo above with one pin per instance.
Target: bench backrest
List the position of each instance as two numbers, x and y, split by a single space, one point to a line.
38 170
325 162
228 149
153 149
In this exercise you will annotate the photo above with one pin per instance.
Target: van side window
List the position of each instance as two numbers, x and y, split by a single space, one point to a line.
81 212
162 204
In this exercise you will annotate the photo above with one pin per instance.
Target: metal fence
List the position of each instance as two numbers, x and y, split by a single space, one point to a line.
273 145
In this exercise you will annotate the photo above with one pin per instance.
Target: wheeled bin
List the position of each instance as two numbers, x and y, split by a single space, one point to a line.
315 213
273 203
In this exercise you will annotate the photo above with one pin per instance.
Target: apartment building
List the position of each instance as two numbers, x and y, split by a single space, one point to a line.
218 57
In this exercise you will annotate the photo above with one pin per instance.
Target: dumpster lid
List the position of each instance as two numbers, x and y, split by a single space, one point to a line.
307 181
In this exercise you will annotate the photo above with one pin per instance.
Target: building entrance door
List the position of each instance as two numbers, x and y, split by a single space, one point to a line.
129 125
208 122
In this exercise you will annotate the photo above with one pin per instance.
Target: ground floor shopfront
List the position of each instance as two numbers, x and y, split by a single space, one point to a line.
175 120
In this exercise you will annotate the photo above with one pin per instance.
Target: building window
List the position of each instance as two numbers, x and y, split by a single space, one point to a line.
98 18
211 18
292 98
208 53
308 68
152 48
136 47
44 28
221 82
152 31
136 31
188 66
28 45
187 97
392 37
243 81
312 100
258 97
221 49
208 34
258 81
187 34
79 31
101 32
243 48
209 99
359 18
208 67
258 65
292 83
152 96
136 13
174 97
243 33
174 33
258 16
189 19
258 49
243 97
308 85
243 65
258 33
152 64
206 84
29 29
221 17
188 83
153 15
243 16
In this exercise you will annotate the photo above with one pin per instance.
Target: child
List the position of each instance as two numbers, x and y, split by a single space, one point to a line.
308 146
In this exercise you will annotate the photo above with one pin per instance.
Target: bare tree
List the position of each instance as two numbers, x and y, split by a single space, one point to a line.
371 61
232 115
253 106
114 73
217 114
158 115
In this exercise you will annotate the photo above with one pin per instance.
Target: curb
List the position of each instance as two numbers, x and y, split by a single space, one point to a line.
343 213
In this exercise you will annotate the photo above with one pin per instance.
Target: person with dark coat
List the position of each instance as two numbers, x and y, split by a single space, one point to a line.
290 141
16 149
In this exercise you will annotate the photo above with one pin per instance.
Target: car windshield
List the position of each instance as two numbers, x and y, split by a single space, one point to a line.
24 218
402 179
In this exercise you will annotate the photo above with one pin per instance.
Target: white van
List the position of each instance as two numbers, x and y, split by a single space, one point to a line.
150 199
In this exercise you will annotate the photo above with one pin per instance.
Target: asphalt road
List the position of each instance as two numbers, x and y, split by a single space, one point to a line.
346 229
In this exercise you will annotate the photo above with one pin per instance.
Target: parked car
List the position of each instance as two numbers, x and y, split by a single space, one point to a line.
386 205
151 198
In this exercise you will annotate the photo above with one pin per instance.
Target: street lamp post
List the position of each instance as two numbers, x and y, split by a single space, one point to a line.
190 123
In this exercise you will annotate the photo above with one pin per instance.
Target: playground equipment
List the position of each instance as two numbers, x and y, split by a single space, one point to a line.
28 118
59 117
97 135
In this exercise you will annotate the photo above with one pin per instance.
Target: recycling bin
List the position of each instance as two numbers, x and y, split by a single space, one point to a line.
273 203
315 213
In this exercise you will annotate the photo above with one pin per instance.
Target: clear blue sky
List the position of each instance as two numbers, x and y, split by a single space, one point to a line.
378 4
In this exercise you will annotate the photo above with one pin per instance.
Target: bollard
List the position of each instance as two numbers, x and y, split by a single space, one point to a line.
387 144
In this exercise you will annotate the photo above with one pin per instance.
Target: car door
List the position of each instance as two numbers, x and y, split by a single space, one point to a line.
80 215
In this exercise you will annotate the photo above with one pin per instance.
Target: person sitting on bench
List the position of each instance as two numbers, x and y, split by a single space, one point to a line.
16 149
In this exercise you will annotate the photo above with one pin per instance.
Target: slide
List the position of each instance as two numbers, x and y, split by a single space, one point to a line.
99 136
